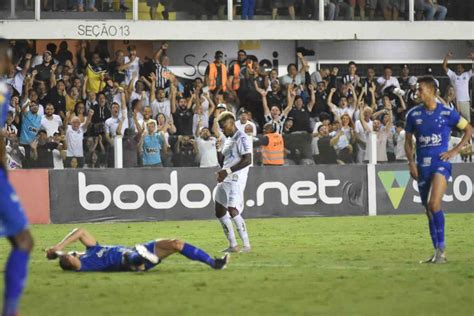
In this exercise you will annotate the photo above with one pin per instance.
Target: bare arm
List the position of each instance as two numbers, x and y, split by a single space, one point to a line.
173 98
312 101
445 61
152 88
27 65
80 234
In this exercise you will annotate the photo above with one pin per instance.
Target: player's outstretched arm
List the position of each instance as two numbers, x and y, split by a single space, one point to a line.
77 234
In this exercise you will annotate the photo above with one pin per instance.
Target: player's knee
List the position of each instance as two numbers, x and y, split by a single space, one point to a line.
233 211
433 206
24 241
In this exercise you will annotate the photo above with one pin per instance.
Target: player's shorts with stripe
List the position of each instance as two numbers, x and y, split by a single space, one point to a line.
230 193
425 175
12 215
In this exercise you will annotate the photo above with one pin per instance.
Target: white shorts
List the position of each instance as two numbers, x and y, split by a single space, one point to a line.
230 193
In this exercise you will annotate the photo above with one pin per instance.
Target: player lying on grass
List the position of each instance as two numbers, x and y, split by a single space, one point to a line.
118 258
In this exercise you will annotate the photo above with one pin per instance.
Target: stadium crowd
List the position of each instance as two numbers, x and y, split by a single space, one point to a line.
277 9
71 115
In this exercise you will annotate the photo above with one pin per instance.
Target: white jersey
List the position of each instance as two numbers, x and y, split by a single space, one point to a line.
233 150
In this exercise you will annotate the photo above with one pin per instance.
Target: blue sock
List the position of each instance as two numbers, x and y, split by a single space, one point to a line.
16 271
193 253
433 235
438 219
134 258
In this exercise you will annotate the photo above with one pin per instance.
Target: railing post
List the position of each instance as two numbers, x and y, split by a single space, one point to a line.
411 10
372 148
135 10
12 9
230 10
37 10
321 10
118 152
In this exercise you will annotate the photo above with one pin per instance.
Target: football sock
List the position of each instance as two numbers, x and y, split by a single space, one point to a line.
433 235
193 253
16 271
438 218
242 229
228 229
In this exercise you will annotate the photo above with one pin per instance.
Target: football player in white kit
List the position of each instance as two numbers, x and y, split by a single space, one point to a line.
235 157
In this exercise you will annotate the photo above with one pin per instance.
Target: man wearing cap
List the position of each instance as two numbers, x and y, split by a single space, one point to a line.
460 81
244 121
216 74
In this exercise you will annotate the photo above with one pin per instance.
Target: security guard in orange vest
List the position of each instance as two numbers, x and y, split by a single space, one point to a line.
272 147
234 71
216 74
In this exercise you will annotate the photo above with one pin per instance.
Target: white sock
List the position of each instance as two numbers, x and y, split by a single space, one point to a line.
242 229
228 229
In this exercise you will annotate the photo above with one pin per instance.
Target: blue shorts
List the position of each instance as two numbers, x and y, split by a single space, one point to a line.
150 246
425 175
12 215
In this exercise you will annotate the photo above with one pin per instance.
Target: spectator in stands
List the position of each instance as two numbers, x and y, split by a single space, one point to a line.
243 121
57 97
206 148
343 8
430 10
392 9
344 106
80 111
101 114
9 127
363 128
289 3
94 70
63 54
15 77
343 138
115 125
248 9
158 101
411 94
183 117
329 10
272 146
352 77
42 151
44 70
185 152
234 74
130 147
294 76
131 65
51 122
216 74
30 125
387 80
361 4
399 136
300 111
405 77
449 98
383 132
74 139
161 63
460 80
327 154
151 146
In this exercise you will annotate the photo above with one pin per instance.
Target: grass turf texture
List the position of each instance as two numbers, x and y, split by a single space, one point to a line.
327 266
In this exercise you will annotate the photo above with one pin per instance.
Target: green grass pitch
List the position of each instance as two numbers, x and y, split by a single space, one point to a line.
299 266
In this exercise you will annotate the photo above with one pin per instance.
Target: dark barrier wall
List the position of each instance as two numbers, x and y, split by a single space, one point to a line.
397 192
186 193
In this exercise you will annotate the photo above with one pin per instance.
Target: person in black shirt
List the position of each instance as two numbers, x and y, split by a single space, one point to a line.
185 152
116 74
101 114
327 153
44 70
321 97
275 96
63 53
301 112
42 151
183 117
403 80
57 97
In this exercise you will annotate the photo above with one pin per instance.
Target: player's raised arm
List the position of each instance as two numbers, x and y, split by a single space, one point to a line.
77 234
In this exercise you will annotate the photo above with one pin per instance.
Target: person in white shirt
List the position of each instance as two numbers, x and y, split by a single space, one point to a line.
387 80
363 128
131 64
344 107
232 179
50 121
158 101
400 154
74 138
112 123
244 121
460 81
206 148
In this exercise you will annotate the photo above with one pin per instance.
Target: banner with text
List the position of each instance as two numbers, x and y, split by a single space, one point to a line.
397 192
187 193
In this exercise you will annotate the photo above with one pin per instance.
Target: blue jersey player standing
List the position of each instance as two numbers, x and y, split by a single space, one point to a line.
13 222
142 257
431 123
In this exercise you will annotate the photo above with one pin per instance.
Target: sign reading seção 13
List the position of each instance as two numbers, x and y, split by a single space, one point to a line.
103 30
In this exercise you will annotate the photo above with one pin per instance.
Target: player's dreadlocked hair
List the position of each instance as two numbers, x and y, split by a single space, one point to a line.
224 116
